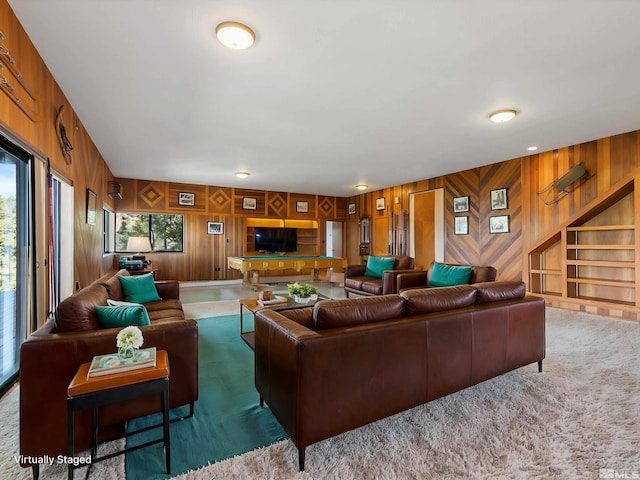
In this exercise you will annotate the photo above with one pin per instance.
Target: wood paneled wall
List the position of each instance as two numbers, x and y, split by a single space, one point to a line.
205 256
608 159
87 170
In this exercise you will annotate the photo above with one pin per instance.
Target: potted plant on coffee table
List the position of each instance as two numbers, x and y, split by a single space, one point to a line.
303 292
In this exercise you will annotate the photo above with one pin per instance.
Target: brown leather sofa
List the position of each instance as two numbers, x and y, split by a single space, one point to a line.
420 278
356 282
51 356
345 363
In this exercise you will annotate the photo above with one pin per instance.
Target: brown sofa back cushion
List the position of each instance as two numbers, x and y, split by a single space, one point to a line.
404 263
356 311
78 312
438 299
499 291
113 285
478 273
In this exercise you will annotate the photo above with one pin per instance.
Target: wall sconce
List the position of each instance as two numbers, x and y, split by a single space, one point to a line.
116 190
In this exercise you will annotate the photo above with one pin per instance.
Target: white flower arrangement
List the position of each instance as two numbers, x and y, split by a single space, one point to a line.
129 337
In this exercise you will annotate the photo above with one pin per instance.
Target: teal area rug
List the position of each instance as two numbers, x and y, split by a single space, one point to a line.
228 420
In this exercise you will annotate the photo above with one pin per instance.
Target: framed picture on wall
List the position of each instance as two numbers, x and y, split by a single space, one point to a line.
461 204
302 207
380 203
499 224
352 209
499 199
92 201
461 225
188 199
249 203
215 228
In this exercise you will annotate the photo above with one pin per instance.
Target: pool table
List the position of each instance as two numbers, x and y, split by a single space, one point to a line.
247 265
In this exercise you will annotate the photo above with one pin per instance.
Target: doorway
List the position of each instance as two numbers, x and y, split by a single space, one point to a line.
426 224
334 239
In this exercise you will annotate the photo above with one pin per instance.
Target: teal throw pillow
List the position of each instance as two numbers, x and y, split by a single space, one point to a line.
443 275
377 265
139 289
118 317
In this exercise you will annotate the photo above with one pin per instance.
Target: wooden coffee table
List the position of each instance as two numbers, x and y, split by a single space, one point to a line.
252 305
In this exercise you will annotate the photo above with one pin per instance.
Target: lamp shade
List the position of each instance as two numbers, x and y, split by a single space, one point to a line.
138 244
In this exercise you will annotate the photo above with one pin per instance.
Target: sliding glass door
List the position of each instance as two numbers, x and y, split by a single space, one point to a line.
14 256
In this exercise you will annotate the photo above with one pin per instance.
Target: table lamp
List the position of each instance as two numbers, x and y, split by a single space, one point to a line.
139 244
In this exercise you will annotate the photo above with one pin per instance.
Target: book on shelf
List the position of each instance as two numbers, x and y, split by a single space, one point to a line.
112 363
274 301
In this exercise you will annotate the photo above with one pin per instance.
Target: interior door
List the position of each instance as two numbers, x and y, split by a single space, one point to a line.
427 227
334 239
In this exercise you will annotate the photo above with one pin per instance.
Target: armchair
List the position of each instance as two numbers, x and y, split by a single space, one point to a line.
355 280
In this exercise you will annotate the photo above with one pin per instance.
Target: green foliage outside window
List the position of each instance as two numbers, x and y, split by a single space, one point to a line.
164 231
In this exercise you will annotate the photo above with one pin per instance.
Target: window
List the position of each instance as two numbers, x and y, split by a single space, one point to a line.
108 229
163 231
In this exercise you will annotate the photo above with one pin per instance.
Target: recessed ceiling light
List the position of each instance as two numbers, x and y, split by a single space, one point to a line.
235 35
362 187
532 148
242 174
502 116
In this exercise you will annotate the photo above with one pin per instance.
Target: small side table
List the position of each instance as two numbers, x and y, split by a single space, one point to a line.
94 392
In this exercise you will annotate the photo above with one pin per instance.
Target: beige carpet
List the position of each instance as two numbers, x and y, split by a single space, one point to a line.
580 416
211 309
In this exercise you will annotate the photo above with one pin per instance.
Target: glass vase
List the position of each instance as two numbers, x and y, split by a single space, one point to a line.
126 353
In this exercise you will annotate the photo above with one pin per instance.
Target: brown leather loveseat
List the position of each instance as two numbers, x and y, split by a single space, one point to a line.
421 278
51 356
356 281
345 363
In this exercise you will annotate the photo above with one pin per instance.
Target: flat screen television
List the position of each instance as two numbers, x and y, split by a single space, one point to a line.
272 239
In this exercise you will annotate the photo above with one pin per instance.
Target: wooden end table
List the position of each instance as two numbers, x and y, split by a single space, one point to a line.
94 392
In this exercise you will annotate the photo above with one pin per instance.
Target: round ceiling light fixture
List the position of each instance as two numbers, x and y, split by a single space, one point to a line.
242 174
362 186
235 35
502 116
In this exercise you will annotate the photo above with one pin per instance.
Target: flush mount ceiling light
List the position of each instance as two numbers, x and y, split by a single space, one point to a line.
532 148
235 35
362 187
242 174
502 116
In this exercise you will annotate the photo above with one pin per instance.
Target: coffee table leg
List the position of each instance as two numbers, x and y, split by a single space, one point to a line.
70 439
167 433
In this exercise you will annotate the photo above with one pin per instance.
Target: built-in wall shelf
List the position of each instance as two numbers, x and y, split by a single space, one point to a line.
307 233
593 257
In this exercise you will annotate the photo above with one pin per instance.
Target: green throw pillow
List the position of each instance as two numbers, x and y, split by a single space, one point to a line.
118 317
377 265
443 275
139 289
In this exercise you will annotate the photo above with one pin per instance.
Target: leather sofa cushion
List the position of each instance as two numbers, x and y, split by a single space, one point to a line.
355 282
356 311
438 299
114 287
173 314
499 291
167 304
372 285
303 316
482 274
78 312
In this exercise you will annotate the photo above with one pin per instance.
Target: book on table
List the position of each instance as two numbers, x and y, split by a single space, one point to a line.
276 300
112 363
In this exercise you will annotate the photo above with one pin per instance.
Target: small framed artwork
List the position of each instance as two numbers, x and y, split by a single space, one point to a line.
92 201
460 204
499 199
188 199
499 224
352 209
380 204
249 203
461 225
215 228
302 207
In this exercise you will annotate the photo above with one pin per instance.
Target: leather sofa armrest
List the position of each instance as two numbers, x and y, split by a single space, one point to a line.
415 279
389 280
168 289
354 270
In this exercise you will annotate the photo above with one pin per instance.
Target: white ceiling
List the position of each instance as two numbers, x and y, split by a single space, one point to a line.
336 93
